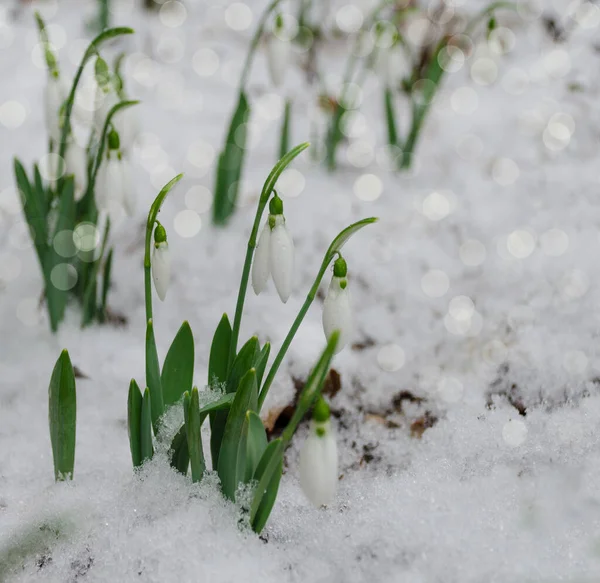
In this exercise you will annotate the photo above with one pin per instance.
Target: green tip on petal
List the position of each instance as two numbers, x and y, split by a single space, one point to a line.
340 269
160 234
276 205
321 412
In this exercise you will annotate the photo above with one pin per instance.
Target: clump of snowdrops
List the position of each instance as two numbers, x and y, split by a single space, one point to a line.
239 378
83 182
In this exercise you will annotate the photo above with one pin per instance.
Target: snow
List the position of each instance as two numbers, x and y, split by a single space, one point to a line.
475 301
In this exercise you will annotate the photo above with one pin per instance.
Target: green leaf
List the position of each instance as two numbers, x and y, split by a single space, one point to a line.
106 283
193 425
62 417
268 475
180 456
178 368
232 456
146 427
40 190
219 353
284 142
256 443
243 362
153 376
56 297
134 423
260 363
231 160
334 135
90 306
390 115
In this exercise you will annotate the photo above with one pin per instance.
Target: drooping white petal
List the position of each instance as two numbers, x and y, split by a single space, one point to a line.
281 258
319 464
109 188
129 194
260 266
337 313
76 164
278 58
161 269
54 96
104 103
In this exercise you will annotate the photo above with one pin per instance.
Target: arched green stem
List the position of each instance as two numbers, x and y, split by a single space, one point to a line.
265 194
333 250
89 53
154 209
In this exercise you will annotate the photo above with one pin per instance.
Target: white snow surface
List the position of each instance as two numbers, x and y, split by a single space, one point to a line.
476 292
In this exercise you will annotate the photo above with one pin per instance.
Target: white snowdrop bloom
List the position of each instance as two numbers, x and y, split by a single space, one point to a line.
274 254
278 58
125 121
337 312
281 258
318 466
76 164
129 193
161 266
392 66
109 188
55 95
260 267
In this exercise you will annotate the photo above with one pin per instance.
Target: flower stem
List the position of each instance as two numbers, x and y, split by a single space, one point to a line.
265 194
152 214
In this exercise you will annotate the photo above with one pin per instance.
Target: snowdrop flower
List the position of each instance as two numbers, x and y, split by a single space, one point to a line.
278 53
161 262
125 121
319 458
55 95
337 313
114 186
392 65
274 254
76 164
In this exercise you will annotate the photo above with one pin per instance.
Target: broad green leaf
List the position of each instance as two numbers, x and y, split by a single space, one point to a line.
261 361
231 160
267 476
232 456
57 280
147 448
390 116
284 141
90 305
193 425
219 353
256 443
180 455
334 135
153 376
134 423
41 192
62 417
178 368
243 362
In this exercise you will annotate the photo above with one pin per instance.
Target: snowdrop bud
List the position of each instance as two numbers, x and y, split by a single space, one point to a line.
278 54
161 262
319 458
54 96
260 266
102 74
337 312
281 257
109 187
114 142
76 164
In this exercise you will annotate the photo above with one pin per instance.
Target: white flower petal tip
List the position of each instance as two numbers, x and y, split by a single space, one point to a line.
161 269
337 312
282 258
55 94
278 57
319 464
260 266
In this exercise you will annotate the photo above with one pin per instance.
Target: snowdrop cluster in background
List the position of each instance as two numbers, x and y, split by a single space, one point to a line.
241 452
85 181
